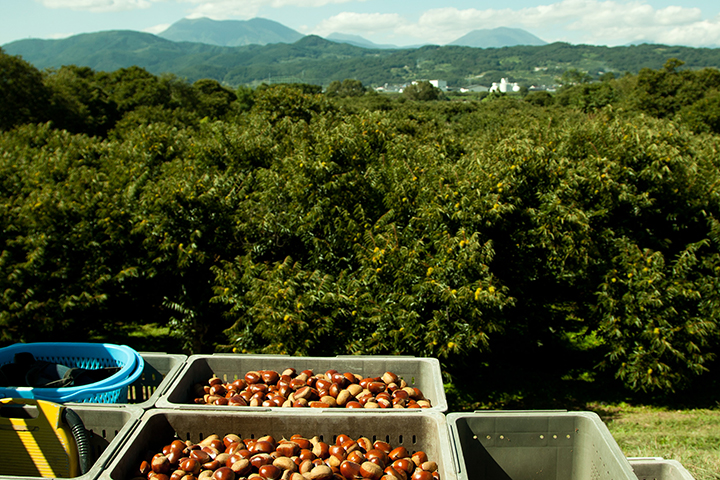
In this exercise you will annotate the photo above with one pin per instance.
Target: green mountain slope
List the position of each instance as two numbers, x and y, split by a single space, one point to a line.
315 60
230 33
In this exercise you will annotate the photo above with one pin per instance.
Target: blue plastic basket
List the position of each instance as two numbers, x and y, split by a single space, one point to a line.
80 355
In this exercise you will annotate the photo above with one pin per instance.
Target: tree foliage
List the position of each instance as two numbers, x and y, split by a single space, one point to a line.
422 91
23 96
283 220
347 88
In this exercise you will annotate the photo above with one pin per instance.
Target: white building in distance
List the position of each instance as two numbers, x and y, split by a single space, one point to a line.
504 86
441 84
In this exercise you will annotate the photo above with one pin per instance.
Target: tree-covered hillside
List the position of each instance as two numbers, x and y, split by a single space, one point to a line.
581 229
314 60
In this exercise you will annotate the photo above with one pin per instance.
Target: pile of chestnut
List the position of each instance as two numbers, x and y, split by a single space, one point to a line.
268 388
297 458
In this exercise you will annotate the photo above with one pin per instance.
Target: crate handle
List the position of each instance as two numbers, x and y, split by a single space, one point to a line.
131 426
559 410
227 354
456 460
377 357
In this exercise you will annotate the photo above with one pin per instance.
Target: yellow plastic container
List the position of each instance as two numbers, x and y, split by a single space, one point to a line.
35 435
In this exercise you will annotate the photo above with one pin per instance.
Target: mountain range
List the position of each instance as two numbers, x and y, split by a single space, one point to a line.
498 38
209 50
261 31
230 33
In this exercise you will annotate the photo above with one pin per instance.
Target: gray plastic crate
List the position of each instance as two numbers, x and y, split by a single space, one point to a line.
159 372
426 431
657 468
524 445
423 373
107 428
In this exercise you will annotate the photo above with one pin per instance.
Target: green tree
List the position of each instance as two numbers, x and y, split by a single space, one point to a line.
573 76
23 96
540 98
288 101
422 91
134 87
703 115
346 88
213 99
79 102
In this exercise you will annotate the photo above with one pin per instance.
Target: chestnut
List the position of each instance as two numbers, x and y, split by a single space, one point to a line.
200 455
288 449
241 467
376 387
383 446
177 474
160 464
404 464
260 459
389 377
356 456
371 470
223 473
397 453
190 465
320 472
270 376
394 473
263 446
303 443
285 463
375 453
349 469
252 378
421 475
270 472
419 458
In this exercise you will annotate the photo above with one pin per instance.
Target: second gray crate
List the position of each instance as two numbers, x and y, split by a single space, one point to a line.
423 373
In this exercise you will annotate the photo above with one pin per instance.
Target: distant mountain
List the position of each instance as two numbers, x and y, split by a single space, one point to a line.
356 40
105 51
498 38
230 33
318 61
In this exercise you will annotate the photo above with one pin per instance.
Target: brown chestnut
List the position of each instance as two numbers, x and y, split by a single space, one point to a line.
271 472
349 469
419 458
371 470
397 453
223 473
421 475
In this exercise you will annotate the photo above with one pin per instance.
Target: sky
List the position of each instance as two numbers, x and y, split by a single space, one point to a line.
694 23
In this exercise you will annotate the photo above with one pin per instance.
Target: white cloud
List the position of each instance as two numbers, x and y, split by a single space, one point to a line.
59 36
360 23
155 29
223 9
701 34
602 22
97 5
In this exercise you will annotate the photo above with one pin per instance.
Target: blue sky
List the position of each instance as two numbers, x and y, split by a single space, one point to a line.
693 23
